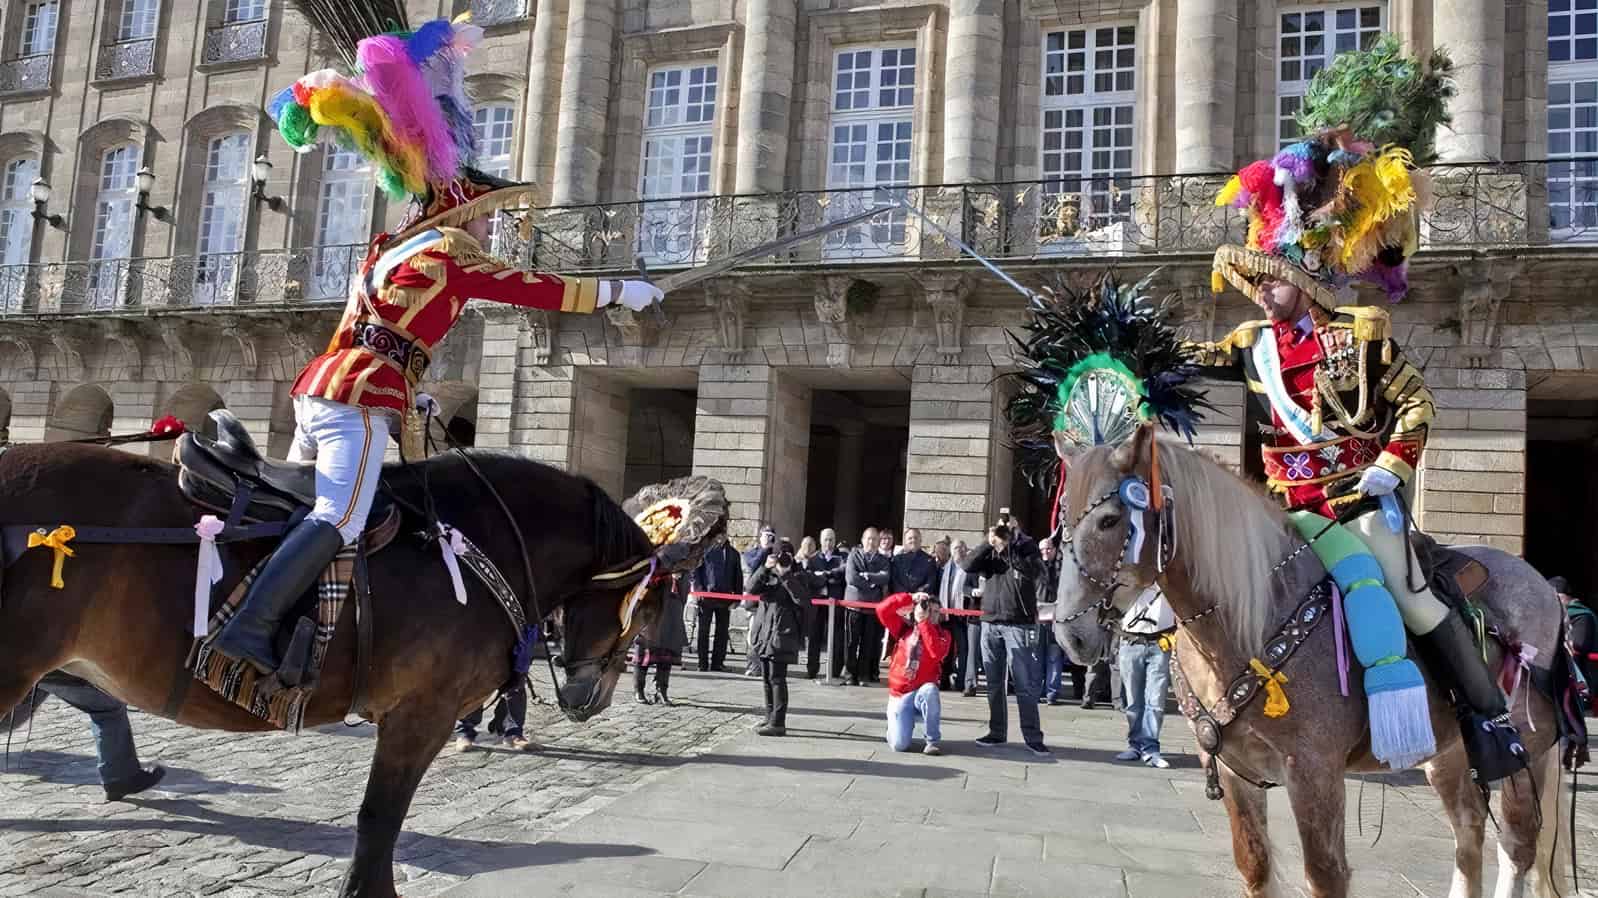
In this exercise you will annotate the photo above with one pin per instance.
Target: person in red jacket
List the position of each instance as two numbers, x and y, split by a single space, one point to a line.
917 663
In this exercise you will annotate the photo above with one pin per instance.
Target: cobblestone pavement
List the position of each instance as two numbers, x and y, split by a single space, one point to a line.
268 815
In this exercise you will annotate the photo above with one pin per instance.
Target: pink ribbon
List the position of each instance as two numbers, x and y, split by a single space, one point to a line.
1342 637
452 545
207 573
1521 663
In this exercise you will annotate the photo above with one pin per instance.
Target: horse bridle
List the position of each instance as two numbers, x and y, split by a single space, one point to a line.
1136 497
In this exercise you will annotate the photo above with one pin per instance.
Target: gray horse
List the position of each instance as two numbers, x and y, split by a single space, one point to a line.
1231 539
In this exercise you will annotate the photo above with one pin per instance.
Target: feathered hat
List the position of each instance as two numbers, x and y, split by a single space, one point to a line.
402 106
1093 366
1343 204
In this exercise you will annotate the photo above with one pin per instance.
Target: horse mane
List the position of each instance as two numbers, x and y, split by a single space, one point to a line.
1230 565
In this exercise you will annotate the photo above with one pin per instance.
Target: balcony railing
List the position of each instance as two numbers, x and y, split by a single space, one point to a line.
1474 207
25 74
126 59
234 42
488 13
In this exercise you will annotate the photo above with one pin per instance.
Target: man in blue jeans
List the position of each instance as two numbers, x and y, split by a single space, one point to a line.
121 774
1145 662
1051 655
1012 566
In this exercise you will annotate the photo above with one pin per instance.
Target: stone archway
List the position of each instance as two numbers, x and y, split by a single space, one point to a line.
457 415
192 404
85 412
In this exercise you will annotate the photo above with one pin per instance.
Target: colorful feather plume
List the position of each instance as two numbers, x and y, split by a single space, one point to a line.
1112 342
1383 96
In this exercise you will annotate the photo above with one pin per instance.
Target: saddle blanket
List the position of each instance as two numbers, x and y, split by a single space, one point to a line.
265 696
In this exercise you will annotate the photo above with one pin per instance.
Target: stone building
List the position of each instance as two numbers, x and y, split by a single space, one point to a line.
183 259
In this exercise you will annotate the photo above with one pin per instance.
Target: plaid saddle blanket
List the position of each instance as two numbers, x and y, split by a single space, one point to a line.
266 696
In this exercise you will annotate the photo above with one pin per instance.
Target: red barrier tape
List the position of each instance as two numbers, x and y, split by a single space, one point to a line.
867 606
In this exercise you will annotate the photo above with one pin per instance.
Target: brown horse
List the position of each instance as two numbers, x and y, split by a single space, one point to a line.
122 620
1231 542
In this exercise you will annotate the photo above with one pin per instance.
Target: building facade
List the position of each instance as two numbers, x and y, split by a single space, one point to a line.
184 259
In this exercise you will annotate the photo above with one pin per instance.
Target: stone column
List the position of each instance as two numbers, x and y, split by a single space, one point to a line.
765 90
971 91
543 95
584 99
573 418
752 432
1473 33
1206 85
851 457
952 443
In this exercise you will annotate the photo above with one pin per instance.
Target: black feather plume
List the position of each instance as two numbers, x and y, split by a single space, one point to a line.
345 23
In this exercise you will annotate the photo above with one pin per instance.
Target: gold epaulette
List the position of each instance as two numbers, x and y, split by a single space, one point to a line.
460 246
1369 322
1244 335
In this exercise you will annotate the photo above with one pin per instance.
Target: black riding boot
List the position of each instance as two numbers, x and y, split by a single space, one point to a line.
1491 741
293 568
639 672
663 682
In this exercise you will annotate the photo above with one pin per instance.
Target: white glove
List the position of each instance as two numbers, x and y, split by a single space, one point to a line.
1378 482
427 405
635 295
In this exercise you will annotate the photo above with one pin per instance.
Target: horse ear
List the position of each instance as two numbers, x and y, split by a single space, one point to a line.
1135 451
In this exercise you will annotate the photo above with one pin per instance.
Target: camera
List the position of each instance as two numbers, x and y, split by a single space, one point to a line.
784 553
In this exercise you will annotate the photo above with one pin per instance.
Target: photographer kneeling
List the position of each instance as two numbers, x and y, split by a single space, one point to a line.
784 588
917 664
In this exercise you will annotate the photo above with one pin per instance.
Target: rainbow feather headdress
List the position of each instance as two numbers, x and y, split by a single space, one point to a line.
1343 204
404 109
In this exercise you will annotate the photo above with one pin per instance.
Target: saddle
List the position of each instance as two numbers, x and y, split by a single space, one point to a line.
230 476
1456 578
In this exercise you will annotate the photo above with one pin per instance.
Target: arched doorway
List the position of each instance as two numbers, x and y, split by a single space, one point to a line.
192 404
456 422
83 413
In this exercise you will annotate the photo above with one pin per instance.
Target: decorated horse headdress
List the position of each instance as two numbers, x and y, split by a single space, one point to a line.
1343 204
681 517
401 104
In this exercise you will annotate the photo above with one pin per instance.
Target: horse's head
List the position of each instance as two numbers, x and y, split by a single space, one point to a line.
663 529
1108 544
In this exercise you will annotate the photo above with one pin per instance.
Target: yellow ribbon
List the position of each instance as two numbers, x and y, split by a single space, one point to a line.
1167 642
1275 699
56 539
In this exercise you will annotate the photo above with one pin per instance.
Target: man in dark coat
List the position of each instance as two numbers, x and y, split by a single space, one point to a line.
866 576
1012 566
827 570
720 571
782 588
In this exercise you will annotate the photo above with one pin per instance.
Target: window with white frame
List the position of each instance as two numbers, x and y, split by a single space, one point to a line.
1089 94
38 28
1573 118
16 228
137 20
1308 39
222 202
873 103
236 11
343 220
495 126
680 109
112 243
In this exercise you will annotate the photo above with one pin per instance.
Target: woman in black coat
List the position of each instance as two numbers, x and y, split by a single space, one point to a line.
783 588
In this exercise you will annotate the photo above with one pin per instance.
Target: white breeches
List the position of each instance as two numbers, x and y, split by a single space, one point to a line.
1422 611
347 443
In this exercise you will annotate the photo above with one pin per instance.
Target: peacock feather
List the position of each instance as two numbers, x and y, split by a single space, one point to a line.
1383 97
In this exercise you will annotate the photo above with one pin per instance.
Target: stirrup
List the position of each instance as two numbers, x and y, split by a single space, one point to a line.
1493 746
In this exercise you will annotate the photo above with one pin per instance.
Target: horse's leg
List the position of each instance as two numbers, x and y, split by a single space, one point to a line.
1251 845
407 742
1449 775
1553 847
1517 838
1315 789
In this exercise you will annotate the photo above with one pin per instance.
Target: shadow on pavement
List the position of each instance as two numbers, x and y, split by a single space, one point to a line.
436 854
854 767
68 769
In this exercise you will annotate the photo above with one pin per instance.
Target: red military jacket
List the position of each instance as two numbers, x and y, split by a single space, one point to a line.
1337 398
405 301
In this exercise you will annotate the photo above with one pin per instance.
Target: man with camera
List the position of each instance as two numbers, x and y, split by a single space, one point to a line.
1012 566
915 668
782 588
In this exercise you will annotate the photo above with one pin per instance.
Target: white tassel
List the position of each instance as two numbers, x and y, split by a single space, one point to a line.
452 545
207 573
1401 727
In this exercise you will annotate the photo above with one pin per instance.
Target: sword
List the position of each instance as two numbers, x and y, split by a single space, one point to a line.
681 279
963 247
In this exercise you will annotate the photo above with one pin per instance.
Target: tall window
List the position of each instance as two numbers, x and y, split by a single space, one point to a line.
681 108
222 202
137 21
1573 117
1089 94
495 124
343 220
38 28
243 11
873 100
16 229
1309 39
113 224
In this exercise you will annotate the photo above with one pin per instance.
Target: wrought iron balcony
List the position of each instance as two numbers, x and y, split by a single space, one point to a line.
126 59
26 74
234 42
489 13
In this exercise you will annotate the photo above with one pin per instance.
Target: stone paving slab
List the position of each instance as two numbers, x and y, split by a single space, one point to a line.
647 802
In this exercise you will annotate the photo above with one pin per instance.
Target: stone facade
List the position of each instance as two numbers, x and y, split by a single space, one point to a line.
770 354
